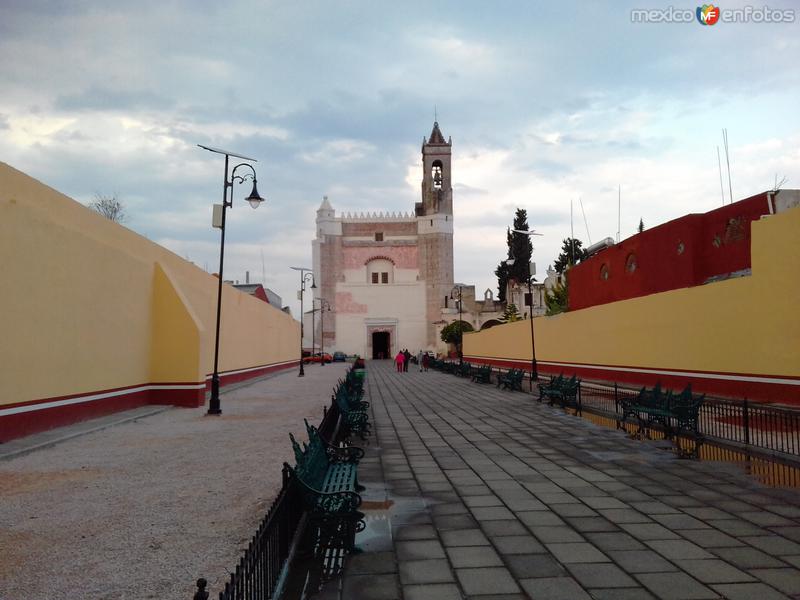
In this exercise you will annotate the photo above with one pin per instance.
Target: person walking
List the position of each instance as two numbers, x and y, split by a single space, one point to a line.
419 360
407 356
400 360
425 362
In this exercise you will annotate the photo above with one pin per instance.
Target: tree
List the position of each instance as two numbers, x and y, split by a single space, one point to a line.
510 314
111 207
641 225
452 332
520 249
557 299
571 247
502 280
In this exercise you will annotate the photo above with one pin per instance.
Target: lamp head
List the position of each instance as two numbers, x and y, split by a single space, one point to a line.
254 199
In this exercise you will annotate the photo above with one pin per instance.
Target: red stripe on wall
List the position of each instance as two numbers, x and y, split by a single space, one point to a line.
237 376
33 421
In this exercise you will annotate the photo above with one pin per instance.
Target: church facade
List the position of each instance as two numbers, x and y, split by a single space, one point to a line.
388 278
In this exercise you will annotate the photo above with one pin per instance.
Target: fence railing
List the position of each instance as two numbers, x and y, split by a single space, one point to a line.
749 426
762 427
261 570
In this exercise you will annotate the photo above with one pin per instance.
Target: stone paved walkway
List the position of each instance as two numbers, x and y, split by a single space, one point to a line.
497 497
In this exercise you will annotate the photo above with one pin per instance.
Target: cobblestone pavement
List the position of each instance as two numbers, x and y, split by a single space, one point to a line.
142 509
494 496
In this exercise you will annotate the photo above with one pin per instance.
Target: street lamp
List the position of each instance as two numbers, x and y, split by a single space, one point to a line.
305 274
460 324
323 306
227 202
510 262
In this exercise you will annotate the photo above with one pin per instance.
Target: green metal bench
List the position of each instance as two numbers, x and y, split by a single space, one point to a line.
353 395
565 393
482 374
336 453
511 380
675 414
330 495
554 383
464 369
354 417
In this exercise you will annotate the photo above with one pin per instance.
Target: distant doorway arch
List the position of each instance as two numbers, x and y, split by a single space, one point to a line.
490 323
380 344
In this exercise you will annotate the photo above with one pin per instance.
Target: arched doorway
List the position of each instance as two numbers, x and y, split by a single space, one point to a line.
380 344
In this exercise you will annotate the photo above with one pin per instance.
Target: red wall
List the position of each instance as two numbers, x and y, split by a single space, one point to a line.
714 243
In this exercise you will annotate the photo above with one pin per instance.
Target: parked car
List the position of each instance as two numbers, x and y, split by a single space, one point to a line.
318 357
339 357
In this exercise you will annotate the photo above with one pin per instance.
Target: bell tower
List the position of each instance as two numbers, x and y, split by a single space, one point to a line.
437 188
435 228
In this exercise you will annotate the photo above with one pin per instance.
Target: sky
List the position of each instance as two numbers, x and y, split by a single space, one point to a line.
547 104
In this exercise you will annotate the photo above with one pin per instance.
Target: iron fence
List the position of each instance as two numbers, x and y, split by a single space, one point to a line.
768 429
262 568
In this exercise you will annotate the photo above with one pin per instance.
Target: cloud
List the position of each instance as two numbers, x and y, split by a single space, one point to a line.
107 99
335 99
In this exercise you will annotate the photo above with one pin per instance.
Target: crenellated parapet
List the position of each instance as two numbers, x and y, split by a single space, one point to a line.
377 217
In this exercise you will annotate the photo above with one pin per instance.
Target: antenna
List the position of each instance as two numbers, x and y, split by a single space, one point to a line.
571 233
619 209
263 270
435 114
721 189
585 222
728 161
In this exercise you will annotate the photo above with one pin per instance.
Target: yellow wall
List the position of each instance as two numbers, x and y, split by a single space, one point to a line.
90 305
744 325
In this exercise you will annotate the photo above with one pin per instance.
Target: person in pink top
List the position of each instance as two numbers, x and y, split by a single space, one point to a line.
400 360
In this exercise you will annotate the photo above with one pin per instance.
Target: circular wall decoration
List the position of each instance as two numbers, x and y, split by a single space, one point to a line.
681 248
604 272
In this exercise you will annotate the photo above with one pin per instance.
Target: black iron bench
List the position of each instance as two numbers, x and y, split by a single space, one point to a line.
330 494
511 380
482 374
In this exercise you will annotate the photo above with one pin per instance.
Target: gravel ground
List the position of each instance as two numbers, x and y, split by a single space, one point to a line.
142 509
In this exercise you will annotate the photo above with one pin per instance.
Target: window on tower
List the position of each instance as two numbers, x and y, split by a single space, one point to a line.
384 278
374 278
379 236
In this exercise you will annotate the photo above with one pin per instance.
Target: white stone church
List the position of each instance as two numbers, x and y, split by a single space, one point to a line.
388 278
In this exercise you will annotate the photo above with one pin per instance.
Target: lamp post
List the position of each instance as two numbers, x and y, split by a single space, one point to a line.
313 329
227 202
509 262
323 306
305 274
460 326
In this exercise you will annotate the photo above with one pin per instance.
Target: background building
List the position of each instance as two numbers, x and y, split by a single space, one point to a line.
389 277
